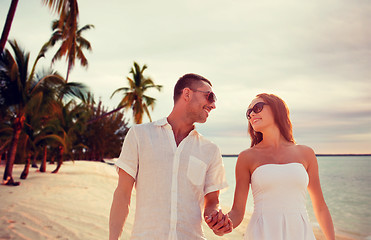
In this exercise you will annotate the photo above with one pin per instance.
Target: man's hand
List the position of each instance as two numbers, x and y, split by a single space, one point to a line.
219 223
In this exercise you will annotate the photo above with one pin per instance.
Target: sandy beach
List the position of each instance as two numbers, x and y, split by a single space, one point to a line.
73 204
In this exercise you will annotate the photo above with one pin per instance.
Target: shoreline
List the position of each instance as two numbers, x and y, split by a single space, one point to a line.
74 204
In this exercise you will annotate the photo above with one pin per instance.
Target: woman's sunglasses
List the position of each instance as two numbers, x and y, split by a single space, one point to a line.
257 108
211 97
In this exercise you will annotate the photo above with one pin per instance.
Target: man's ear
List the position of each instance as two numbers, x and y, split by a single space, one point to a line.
187 94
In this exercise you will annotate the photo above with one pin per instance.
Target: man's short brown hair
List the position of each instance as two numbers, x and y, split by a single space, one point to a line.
189 80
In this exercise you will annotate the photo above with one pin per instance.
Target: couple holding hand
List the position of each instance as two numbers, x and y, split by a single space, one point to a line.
178 173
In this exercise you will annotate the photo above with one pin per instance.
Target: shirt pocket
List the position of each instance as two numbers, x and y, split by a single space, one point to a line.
196 170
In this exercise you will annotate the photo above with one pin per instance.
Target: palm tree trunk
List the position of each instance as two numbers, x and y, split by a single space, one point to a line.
11 154
60 160
52 160
18 125
3 148
8 24
34 164
6 155
28 158
43 163
26 169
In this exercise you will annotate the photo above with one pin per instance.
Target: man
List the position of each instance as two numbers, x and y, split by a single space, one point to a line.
174 168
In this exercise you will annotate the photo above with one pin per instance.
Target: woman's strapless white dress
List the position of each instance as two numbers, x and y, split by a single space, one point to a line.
279 192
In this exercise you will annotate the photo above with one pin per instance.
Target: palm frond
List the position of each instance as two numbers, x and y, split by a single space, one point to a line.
126 102
75 89
84 28
132 84
51 137
41 54
149 101
58 55
34 104
48 79
124 89
55 24
146 110
21 58
84 44
56 5
81 56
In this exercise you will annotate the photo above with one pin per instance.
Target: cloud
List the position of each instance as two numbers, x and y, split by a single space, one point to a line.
313 54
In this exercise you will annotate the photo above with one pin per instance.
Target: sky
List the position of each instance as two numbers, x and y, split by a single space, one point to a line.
315 55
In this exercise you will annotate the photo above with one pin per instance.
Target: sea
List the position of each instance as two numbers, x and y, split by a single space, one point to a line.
346 186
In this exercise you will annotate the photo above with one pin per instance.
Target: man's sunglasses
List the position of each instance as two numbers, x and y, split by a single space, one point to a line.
257 108
211 97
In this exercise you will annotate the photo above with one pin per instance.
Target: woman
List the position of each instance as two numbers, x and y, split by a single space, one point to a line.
280 172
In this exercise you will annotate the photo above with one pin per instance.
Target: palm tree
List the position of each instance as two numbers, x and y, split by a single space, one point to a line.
8 24
54 118
68 11
72 43
36 119
69 123
48 139
134 95
59 6
15 94
21 93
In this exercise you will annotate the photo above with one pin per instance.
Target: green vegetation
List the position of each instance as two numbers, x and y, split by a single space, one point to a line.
44 117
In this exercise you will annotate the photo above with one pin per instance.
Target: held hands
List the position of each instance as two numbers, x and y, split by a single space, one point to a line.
219 223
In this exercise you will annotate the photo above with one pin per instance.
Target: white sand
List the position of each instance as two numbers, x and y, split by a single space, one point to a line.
72 204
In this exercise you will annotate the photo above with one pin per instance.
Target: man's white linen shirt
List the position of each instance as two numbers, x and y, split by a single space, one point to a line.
171 181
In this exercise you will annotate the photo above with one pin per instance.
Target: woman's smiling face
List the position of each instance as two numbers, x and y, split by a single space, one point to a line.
260 114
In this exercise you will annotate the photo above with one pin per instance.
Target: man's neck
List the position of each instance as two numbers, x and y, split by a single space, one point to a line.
181 128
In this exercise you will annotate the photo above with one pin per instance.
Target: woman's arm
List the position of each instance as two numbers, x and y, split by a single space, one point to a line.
242 188
315 192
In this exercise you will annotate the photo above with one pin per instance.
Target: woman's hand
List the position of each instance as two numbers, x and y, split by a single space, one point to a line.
219 223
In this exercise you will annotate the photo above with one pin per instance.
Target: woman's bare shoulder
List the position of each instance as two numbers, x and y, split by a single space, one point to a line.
248 156
303 149
307 154
248 153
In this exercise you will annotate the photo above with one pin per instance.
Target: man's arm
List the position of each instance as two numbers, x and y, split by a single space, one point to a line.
120 204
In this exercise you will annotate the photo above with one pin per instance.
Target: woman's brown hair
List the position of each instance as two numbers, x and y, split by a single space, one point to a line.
281 115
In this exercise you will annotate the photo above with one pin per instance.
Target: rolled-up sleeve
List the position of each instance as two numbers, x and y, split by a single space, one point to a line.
128 159
215 176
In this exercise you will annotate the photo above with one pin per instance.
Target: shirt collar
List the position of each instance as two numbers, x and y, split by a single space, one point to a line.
163 122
